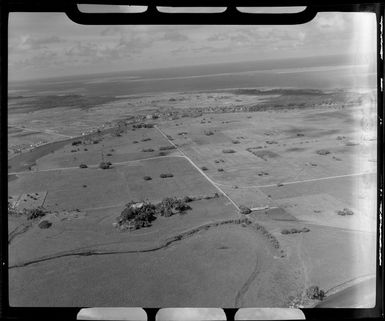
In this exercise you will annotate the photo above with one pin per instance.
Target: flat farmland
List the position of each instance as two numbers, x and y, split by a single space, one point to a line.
130 145
346 255
188 273
333 253
348 189
250 197
85 202
246 152
28 200
321 209
295 168
19 137
94 187
327 256
87 230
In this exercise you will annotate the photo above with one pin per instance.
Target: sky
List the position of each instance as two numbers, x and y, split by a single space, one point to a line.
43 45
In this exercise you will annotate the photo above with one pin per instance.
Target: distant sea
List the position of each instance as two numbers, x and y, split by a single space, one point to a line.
331 72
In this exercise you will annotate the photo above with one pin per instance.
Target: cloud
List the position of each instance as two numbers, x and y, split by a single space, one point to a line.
204 48
111 31
178 50
52 41
236 36
35 43
217 37
82 50
134 44
44 59
331 21
123 47
239 38
173 35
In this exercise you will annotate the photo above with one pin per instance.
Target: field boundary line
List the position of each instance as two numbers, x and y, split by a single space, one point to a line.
103 207
93 165
299 182
200 171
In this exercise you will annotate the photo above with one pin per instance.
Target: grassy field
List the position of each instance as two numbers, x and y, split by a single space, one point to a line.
94 187
274 148
92 229
131 145
190 273
303 164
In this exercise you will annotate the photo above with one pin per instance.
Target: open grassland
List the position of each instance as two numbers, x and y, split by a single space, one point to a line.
297 167
277 144
325 255
284 154
85 202
191 272
315 202
94 187
51 116
130 145
115 146
87 230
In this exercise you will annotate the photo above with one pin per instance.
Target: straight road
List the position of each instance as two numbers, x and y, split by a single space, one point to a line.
200 171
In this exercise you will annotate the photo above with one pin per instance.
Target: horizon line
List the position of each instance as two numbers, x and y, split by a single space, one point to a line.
169 67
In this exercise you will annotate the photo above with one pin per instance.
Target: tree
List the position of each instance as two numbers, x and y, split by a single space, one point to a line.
244 210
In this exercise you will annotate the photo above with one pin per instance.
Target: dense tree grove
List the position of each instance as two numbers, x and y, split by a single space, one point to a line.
136 215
